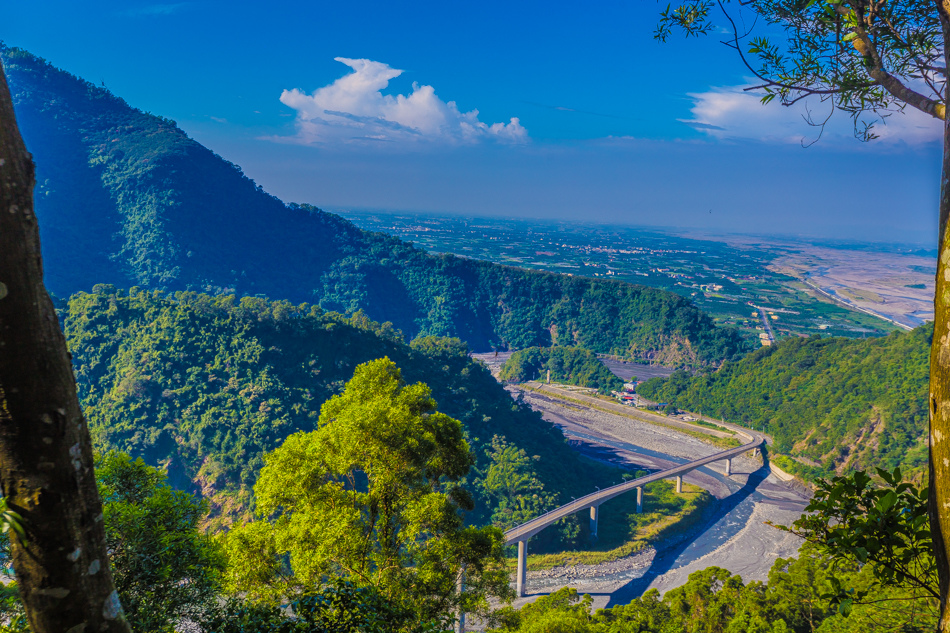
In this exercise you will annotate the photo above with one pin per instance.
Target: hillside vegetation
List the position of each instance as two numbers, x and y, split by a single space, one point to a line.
571 365
126 198
204 385
795 600
833 404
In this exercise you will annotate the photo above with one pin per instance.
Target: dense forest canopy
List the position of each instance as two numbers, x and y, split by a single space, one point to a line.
833 404
205 385
571 365
126 198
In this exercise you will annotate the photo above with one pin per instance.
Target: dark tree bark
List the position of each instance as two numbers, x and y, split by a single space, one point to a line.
46 467
939 499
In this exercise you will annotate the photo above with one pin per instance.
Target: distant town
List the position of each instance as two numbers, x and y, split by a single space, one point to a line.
766 292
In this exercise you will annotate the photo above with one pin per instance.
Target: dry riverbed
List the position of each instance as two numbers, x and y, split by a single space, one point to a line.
733 535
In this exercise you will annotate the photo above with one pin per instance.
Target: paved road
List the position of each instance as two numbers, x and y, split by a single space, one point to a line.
625 410
595 499
765 322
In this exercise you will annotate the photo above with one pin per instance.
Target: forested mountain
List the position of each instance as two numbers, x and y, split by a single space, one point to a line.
126 198
834 404
203 385
571 365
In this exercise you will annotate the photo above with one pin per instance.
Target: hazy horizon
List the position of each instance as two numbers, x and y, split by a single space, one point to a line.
924 243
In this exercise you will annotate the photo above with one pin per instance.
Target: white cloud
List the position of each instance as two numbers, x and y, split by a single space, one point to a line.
731 113
353 108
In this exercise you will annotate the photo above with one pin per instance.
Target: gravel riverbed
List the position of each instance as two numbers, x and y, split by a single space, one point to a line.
733 535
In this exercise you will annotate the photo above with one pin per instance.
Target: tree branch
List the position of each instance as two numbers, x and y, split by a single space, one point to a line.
894 86
865 46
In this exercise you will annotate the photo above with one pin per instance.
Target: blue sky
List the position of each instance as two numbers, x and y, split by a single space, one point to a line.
580 113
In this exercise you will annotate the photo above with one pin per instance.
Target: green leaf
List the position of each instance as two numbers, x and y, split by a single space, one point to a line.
887 501
845 606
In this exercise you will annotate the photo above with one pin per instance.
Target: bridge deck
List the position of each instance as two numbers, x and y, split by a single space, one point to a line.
526 530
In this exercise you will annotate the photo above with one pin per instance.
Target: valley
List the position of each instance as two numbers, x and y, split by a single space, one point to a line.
365 405
806 287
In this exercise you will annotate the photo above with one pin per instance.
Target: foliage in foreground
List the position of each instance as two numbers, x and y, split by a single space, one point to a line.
372 495
204 386
883 529
165 569
795 599
837 404
338 607
571 365
866 566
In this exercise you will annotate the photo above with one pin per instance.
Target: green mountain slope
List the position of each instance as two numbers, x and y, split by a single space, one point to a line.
203 385
571 365
127 198
834 404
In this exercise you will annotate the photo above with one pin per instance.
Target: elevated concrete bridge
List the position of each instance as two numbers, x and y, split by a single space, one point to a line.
521 533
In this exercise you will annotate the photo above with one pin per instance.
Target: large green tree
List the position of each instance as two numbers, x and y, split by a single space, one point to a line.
867 58
512 486
167 570
374 496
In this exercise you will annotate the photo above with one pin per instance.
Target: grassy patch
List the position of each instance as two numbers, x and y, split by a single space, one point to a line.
623 532
713 426
795 467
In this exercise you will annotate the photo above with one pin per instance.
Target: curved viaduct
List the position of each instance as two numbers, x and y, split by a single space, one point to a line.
521 533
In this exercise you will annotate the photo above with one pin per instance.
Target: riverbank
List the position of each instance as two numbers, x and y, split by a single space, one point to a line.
731 533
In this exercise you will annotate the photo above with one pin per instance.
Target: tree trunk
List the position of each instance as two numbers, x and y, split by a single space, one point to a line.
46 468
939 500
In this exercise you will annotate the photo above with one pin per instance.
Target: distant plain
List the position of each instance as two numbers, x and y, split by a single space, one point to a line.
802 286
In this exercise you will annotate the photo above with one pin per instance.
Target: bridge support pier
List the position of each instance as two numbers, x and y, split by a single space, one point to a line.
594 516
639 499
729 467
522 578
460 585
679 484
